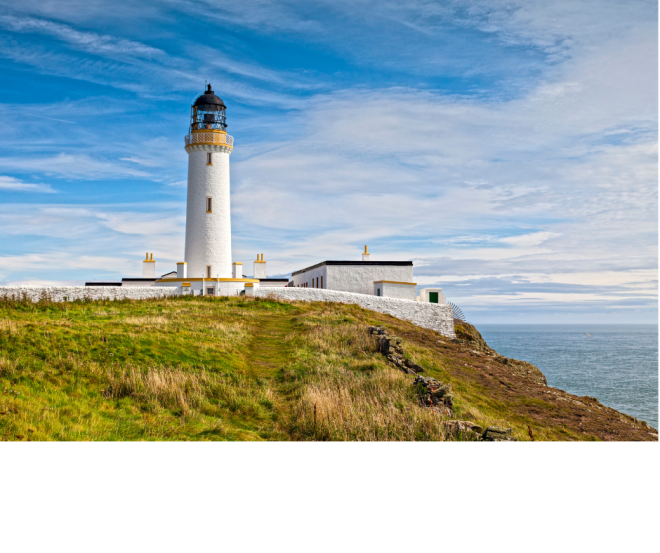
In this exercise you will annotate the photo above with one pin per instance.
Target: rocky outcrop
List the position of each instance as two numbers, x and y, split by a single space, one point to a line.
391 347
470 429
497 434
469 336
437 395
434 394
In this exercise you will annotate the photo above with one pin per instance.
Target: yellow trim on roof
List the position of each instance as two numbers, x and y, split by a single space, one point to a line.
237 263
186 284
395 282
182 263
208 279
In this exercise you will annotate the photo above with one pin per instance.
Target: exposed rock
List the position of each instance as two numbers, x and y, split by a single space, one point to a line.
454 427
435 394
392 348
413 366
469 336
497 434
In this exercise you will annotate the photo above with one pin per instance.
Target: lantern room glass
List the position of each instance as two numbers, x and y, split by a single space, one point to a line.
208 116
208 112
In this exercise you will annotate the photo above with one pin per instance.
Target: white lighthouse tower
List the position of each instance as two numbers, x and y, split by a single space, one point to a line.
208 263
208 221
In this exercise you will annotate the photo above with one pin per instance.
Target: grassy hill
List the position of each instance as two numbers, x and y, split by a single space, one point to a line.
191 368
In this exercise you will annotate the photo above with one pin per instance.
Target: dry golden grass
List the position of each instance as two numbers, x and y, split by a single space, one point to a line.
147 321
11 327
342 404
185 391
8 367
344 390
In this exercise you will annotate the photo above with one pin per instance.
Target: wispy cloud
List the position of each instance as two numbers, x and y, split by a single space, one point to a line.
72 166
509 148
86 41
11 183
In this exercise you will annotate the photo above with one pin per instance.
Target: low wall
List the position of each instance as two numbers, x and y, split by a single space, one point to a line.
70 293
435 316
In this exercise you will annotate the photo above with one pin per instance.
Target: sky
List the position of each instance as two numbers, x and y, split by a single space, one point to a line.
507 147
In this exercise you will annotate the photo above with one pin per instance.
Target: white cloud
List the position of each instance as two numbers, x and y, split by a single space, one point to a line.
11 183
89 42
532 239
73 166
551 180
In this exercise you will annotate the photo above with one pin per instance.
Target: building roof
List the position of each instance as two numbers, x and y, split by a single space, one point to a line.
209 100
147 279
384 263
102 283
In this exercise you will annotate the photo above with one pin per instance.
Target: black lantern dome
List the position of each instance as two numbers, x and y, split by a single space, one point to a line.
208 112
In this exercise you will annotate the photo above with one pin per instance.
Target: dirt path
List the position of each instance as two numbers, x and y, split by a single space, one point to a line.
268 351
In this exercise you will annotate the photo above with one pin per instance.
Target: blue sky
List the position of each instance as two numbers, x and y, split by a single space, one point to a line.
509 148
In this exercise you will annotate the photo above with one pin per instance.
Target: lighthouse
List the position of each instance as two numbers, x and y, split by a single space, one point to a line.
208 221
207 264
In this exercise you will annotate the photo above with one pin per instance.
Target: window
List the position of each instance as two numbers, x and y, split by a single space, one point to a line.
433 297
321 282
209 158
209 204
210 290
317 282
378 291
208 271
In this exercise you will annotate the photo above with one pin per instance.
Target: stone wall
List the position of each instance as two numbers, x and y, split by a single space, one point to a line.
427 315
70 293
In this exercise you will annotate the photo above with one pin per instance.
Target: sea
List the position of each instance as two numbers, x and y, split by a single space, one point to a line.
618 364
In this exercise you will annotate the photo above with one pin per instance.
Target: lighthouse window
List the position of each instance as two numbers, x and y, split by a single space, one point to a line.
209 158
209 204
208 271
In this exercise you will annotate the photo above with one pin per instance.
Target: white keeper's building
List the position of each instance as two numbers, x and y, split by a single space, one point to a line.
208 268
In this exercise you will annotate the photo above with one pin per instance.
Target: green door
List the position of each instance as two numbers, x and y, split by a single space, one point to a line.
433 297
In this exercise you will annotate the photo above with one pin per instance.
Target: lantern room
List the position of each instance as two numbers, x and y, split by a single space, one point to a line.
208 112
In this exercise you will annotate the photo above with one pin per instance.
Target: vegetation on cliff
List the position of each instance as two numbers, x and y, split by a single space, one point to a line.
191 368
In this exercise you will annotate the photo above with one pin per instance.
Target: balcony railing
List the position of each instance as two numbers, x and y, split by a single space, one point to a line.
210 138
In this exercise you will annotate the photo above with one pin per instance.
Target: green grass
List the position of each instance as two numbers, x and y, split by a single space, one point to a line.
191 368
133 370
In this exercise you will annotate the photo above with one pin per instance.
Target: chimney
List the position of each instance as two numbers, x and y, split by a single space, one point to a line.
181 269
260 267
237 270
149 267
365 255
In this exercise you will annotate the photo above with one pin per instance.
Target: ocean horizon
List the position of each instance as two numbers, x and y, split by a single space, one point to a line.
616 363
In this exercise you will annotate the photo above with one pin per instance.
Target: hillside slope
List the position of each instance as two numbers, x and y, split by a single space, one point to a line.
191 368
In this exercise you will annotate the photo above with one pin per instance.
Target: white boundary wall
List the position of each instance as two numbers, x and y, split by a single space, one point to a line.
434 316
59 293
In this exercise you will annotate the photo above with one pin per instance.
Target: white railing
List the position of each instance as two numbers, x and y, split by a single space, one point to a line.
209 138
